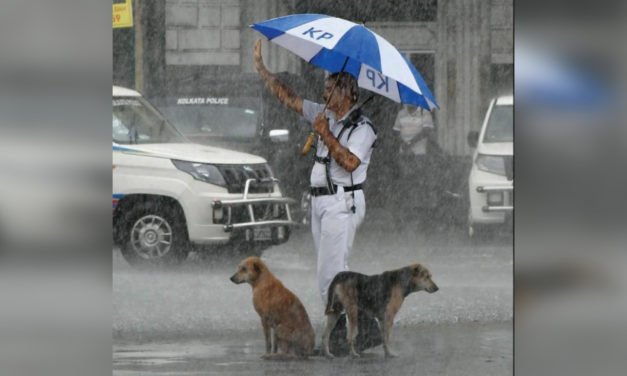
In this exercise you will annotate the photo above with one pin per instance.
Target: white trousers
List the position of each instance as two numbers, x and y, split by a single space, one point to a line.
333 226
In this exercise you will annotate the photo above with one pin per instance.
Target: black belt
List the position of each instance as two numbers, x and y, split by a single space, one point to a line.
323 191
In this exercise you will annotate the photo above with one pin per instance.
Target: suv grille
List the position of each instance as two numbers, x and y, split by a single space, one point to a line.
236 176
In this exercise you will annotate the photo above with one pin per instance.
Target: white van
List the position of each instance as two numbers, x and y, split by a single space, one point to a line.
170 194
491 180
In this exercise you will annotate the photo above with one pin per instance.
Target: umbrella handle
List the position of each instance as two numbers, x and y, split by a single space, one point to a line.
312 136
308 144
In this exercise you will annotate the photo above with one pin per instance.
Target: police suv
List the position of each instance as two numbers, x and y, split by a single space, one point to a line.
170 194
237 112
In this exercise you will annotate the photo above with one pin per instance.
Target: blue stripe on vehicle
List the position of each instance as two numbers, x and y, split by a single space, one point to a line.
277 26
116 199
120 148
360 44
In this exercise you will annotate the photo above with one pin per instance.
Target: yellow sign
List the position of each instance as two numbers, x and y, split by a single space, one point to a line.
122 13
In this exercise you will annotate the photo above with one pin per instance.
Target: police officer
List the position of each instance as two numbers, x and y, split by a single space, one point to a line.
343 150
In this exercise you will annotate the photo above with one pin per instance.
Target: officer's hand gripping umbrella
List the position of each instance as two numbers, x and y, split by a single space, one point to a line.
338 45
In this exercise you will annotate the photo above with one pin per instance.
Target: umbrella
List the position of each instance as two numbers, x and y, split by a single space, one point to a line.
339 45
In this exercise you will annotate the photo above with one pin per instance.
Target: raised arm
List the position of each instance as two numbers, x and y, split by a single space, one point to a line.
285 94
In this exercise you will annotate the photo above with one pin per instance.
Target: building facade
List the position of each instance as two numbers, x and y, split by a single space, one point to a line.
463 48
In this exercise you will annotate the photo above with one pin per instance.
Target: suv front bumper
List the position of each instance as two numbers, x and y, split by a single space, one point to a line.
252 215
491 198
498 198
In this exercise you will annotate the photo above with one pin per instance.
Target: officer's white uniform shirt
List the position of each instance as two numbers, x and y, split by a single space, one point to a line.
360 144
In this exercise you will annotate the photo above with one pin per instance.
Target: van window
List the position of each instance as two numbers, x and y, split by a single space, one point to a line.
135 121
500 126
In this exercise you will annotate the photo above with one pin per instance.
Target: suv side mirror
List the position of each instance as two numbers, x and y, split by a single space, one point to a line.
279 135
473 139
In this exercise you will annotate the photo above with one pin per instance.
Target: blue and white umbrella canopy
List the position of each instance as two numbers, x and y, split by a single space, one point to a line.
327 42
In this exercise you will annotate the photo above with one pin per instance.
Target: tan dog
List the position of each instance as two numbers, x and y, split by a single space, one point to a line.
380 295
281 312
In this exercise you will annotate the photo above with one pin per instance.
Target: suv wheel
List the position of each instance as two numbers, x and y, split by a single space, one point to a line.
154 235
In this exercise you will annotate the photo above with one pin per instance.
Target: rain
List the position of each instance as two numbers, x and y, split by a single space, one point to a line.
195 318
193 61
75 302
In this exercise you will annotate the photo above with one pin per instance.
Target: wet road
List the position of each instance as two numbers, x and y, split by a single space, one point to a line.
195 321
457 349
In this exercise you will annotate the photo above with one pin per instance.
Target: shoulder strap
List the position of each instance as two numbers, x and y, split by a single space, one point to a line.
361 121
344 128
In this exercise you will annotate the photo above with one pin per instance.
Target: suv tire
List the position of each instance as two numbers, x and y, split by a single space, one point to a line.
154 235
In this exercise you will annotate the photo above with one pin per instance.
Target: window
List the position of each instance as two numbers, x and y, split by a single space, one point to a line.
232 118
500 125
136 122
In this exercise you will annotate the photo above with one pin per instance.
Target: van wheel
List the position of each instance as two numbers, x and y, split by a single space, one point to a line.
154 235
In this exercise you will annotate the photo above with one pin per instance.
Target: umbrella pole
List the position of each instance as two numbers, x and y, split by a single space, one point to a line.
312 135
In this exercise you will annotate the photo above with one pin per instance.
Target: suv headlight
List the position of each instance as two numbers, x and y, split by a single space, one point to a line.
491 163
205 172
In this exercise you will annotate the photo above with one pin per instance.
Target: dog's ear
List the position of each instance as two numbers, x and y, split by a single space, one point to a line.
256 267
416 269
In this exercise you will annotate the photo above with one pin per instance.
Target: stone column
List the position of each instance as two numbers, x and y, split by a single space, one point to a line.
464 69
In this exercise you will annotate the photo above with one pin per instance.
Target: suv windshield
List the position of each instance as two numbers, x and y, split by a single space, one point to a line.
135 121
215 118
500 125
